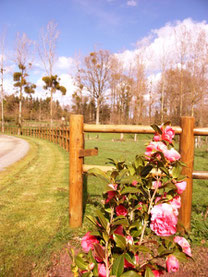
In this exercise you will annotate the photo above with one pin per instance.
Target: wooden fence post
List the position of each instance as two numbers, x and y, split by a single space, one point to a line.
75 172
187 156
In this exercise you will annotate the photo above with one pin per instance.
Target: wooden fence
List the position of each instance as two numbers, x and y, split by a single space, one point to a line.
72 140
77 166
59 136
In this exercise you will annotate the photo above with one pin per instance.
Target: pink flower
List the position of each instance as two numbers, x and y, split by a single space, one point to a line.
91 266
155 146
157 137
171 155
111 195
134 183
156 184
181 186
119 230
168 134
163 220
157 273
172 263
184 245
129 239
176 204
101 270
88 241
140 204
121 210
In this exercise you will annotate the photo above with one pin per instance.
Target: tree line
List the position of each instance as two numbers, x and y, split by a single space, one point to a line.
112 90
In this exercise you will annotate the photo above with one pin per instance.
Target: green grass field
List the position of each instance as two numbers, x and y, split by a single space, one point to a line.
34 201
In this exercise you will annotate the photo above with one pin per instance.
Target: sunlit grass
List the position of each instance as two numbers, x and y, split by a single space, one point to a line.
34 200
33 208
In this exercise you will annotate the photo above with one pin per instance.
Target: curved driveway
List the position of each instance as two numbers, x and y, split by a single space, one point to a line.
12 149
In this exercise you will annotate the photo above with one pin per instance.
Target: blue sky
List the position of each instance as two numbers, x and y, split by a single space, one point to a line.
111 24
116 25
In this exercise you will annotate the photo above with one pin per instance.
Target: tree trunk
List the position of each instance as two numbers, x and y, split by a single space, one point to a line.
162 101
98 112
51 108
2 103
20 113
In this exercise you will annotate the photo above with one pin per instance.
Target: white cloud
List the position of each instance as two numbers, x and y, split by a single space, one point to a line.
131 3
161 45
64 64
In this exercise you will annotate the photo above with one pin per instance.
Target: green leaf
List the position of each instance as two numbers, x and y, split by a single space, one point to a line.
130 190
180 256
148 272
120 241
81 263
100 253
130 273
157 129
129 258
120 221
146 170
99 173
165 170
102 219
176 171
118 266
92 219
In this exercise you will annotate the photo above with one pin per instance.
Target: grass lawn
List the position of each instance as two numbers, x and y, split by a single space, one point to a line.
33 208
34 201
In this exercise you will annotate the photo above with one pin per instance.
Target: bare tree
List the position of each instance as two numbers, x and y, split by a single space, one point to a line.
140 87
23 60
47 53
2 69
94 75
182 38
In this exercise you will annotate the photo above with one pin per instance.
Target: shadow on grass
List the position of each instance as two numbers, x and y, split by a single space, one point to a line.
92 199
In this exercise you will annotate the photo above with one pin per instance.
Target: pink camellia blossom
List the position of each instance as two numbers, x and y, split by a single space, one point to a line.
155 146
172 263
157 273
121 210
176 204
129 239
156 184
168 134
163 220
119 230
111 195
101 270
171 155
181 186
88 241
184 245
91 266
140 205
157 137
134 183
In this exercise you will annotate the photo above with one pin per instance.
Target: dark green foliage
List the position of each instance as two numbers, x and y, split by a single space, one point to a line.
53 83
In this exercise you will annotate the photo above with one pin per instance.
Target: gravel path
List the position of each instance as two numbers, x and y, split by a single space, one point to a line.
12 149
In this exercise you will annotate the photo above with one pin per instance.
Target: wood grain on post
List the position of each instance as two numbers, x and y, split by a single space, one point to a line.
75 172
187 156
